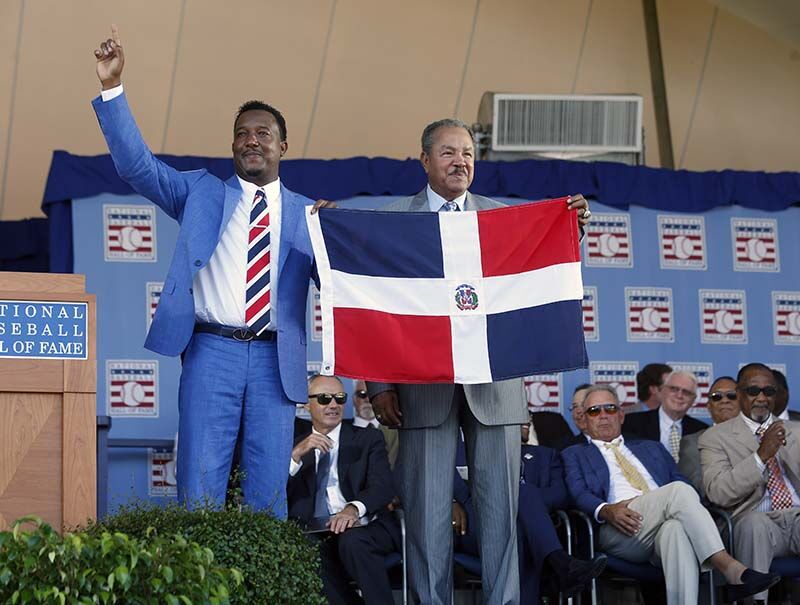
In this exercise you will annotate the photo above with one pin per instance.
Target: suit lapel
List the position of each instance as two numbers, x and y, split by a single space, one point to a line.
308 473
598 464
347 455
419 203
289 217
233 193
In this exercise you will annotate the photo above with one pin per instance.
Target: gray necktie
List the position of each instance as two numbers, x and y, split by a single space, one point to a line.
449 207
321 495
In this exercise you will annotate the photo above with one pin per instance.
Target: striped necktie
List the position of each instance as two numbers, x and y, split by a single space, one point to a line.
257 298
449 207
779 495
629 471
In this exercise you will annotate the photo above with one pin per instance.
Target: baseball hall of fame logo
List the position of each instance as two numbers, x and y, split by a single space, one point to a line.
755 244
161 465
153 297
786 317
723 317
591 319
649 314
132 388
704 372
466 297
608 241
682 242
130 233
543 392
620 375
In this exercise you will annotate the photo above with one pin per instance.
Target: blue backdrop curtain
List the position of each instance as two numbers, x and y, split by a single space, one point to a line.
617 185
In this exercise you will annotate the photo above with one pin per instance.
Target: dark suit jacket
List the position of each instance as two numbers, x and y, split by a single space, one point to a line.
364 474
551 428
645 425
588 479
578 439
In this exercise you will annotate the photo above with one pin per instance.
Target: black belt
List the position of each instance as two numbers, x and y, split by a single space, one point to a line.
240 334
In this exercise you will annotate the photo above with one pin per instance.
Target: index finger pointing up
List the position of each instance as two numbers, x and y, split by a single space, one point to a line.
115 34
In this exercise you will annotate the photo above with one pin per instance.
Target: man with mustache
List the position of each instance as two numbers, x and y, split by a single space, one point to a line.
429 418
233 305
751 468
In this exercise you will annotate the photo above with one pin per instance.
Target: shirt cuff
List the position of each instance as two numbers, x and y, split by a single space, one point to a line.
294 467
111 93
761 466
597 512
362 510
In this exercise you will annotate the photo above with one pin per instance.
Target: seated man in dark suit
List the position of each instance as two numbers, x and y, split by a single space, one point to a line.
341 474
547 428
577 418
541 492
646 509
668 423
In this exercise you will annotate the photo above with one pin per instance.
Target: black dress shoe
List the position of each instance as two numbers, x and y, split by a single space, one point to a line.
579 573
753 582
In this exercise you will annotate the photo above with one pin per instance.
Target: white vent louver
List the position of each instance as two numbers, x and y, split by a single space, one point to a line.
568 123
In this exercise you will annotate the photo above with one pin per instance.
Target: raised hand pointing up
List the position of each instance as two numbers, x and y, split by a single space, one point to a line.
110 60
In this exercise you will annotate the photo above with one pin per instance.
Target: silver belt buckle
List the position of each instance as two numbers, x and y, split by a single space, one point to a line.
243 334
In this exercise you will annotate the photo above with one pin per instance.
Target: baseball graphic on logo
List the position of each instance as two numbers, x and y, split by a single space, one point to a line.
793 323
538 394
756 250
608 244
723 321
130 238
651 319
622 392
132 393
684 247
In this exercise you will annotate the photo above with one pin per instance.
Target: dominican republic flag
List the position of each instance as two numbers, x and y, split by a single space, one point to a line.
451 297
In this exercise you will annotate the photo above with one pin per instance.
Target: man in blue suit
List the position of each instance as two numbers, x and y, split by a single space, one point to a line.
541 492
646 509
233 304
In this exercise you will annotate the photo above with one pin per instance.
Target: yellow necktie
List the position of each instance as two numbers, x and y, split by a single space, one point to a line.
633 476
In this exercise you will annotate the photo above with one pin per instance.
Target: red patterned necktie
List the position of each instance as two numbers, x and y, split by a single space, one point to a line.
779 495
257 298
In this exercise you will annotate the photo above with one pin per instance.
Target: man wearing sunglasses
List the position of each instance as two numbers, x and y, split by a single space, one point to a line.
363 414
751 468
670 422
646 509
722 404
340 476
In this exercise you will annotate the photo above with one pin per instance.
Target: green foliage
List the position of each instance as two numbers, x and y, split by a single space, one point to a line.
278 563
41 566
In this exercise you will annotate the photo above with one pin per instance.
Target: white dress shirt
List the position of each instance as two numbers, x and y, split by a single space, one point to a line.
363 423
219 287
665 427
619 488
436 201
766 502
336 501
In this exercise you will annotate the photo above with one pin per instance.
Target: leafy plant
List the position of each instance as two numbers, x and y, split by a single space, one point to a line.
101 567
278 563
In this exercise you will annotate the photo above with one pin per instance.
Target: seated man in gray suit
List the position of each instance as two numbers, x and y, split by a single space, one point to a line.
723 404
429 417
646 509
751 468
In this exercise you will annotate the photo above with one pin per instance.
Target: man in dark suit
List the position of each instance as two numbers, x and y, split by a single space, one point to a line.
647 509
340 476
541 492
668 423
236 280
549 429
648 381
429 416
577 418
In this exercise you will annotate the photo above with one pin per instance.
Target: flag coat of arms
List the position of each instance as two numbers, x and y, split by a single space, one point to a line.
450 297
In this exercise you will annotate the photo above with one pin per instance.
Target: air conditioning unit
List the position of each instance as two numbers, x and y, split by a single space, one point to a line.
588 127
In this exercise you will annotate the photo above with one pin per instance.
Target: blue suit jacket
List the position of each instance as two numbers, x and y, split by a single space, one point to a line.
203 204
587 476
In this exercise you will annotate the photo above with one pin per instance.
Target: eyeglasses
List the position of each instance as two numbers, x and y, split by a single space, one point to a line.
754 391
361 394
326 398
685 392
608 408
719 395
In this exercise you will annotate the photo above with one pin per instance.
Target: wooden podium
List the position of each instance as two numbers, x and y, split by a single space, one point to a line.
48 388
